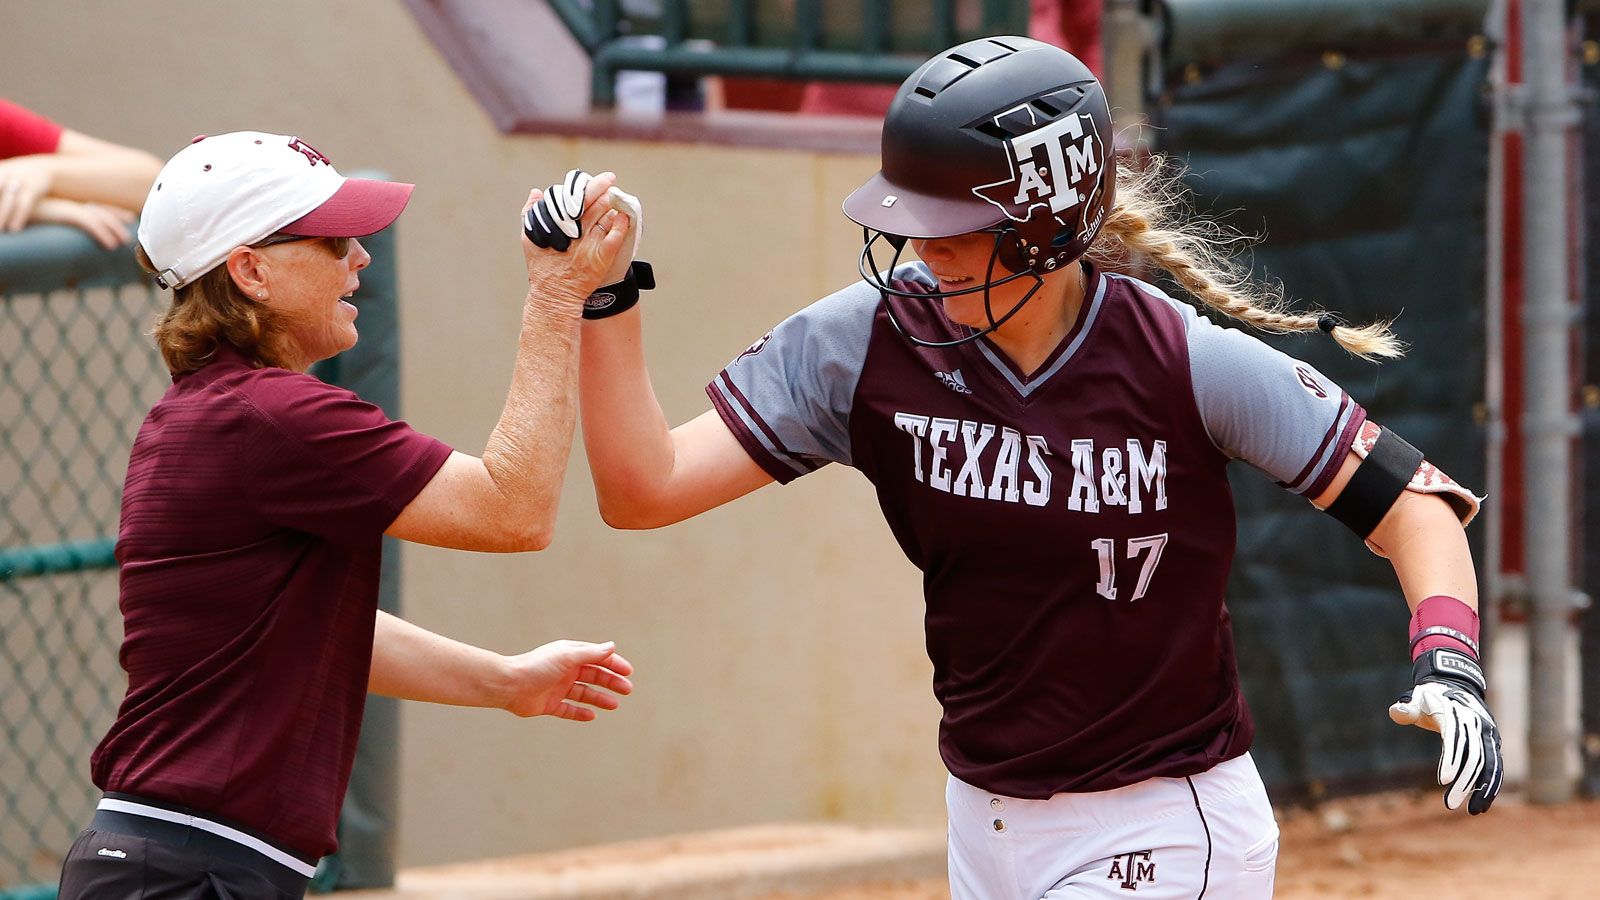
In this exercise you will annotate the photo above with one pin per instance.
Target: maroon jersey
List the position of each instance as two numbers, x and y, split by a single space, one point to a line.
1074 525
252 519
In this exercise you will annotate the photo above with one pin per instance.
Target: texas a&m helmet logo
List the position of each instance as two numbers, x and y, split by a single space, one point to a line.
1055 164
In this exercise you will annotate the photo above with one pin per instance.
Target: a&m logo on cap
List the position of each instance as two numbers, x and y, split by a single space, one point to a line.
312 154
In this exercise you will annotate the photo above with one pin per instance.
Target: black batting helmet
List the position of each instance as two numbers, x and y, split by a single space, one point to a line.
1007 135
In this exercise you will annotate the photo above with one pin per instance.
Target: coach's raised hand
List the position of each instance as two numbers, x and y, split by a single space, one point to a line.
570 242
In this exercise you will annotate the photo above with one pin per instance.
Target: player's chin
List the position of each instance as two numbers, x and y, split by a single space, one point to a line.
966 310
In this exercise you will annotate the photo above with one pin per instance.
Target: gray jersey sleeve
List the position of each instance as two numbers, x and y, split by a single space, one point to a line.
788 397
1265 407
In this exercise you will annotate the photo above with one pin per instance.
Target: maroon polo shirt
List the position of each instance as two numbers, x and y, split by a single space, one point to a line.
249 546
24 132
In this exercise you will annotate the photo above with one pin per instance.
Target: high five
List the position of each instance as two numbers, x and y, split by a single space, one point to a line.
1048 442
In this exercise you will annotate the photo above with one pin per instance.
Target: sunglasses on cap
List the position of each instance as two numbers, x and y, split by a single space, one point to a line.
340 245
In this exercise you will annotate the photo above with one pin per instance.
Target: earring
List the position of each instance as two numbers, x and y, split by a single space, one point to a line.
262 295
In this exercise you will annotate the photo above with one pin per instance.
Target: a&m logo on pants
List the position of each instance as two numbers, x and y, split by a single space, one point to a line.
1134 869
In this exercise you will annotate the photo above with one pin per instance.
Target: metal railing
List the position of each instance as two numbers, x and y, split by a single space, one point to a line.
76 376
809 40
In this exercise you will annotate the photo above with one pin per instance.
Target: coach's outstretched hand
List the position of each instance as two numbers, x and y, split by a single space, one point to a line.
566 678
1448 698
588 236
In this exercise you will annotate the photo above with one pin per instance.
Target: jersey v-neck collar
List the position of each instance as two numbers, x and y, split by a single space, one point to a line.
1025 384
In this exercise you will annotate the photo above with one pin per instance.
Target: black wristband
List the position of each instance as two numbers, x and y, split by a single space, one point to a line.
620 297
1451 666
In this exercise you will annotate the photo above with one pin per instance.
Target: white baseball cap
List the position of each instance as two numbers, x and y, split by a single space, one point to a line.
228 190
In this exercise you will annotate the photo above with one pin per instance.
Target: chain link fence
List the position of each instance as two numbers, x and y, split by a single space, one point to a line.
77 373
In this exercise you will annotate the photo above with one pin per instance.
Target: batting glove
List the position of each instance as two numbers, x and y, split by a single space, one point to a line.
1448 698
556 221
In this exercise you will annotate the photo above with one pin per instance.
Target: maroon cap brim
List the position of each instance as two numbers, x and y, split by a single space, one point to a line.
358 208
916 215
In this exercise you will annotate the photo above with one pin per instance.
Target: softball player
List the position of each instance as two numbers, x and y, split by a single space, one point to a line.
1048 442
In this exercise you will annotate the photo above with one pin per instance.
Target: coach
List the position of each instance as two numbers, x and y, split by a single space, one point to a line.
252 516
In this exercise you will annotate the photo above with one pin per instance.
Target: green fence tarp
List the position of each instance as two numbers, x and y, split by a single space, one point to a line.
1589 474
1368 178
913 27
1210 31
77 374
368 819
57 257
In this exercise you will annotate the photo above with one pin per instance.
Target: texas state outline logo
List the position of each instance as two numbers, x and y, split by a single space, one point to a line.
1072 151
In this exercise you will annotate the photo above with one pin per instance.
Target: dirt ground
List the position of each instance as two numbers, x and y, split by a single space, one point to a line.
1400 847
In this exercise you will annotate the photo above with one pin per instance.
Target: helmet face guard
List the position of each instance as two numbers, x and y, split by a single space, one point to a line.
1006 135
874 275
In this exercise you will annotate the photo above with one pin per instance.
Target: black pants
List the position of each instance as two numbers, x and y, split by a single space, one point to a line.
126 857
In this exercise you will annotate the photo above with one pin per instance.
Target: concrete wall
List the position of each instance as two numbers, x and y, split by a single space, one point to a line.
781 672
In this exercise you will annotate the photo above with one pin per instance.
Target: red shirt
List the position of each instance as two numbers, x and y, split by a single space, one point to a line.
24 132
249 546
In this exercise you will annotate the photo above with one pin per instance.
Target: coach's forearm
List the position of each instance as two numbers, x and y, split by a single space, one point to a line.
625 433
412 663
526 454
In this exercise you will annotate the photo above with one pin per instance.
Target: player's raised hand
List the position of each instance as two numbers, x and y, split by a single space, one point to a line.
568 679
1448 698
586 236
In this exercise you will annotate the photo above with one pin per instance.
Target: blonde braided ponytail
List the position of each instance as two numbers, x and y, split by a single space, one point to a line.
1149 221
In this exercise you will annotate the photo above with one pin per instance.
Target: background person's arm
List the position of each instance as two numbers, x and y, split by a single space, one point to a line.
107 225
83 169
91 170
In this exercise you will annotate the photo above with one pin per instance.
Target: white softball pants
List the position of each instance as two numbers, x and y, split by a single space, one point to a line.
1210 835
